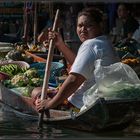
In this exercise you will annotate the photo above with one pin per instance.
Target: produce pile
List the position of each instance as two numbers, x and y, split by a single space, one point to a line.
123 91
24 81
128 51
127 48
131 61
12 69
18 54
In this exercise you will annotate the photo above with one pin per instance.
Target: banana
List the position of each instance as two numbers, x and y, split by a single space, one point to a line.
12 69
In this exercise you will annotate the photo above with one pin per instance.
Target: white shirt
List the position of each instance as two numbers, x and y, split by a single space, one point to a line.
89 51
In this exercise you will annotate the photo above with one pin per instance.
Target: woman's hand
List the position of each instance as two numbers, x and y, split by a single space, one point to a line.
42 104
57 38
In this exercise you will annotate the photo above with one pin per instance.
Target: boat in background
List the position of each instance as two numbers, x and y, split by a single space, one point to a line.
42 56
102 115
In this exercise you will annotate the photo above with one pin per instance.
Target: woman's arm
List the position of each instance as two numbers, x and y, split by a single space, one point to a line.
47 34
67 52
70 85
60 44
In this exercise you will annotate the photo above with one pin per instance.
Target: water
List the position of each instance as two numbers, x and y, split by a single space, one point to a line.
13 127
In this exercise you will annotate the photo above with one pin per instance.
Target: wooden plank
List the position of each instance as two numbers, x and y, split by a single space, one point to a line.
35 57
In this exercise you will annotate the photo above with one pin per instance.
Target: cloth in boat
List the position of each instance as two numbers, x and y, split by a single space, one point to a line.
90 51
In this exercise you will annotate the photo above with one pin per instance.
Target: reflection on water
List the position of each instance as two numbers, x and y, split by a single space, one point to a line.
12 126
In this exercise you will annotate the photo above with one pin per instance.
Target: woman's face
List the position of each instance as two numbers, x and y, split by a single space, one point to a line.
122 12
86 29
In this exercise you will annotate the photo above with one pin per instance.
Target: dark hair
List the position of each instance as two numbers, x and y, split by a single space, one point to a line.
92 13
127 6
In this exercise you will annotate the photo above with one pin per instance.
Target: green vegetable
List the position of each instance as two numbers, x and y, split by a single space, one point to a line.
123 91
19 80
12 69
36 82
25 91
31 73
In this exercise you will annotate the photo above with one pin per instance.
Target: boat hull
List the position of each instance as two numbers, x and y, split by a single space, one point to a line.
104 114
17 101
116 114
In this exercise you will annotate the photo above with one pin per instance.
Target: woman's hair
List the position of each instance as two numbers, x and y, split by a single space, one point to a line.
92 13
127 6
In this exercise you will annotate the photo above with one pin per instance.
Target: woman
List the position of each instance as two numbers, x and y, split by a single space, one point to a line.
126 24
130 24
81 76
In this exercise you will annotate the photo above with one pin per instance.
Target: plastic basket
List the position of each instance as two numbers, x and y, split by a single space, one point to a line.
56 68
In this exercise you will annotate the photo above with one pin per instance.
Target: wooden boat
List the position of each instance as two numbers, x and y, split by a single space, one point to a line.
103 115
42 56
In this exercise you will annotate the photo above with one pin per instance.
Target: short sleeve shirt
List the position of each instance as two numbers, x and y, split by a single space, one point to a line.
84 64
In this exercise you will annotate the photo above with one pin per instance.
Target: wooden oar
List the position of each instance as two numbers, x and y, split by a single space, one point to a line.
47 70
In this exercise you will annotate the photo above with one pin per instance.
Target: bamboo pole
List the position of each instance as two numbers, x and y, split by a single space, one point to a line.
25 23
35 23
47 70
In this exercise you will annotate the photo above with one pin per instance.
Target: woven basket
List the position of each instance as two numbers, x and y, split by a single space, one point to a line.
22 64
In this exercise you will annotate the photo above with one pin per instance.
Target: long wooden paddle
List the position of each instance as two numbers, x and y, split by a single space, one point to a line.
47 70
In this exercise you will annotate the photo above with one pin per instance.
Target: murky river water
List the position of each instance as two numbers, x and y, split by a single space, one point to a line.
13 127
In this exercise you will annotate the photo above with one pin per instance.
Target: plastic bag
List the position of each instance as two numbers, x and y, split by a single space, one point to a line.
115 81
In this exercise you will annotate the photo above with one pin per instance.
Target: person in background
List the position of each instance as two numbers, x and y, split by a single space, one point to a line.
43 36
136 37
94 46
44 31
126 24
